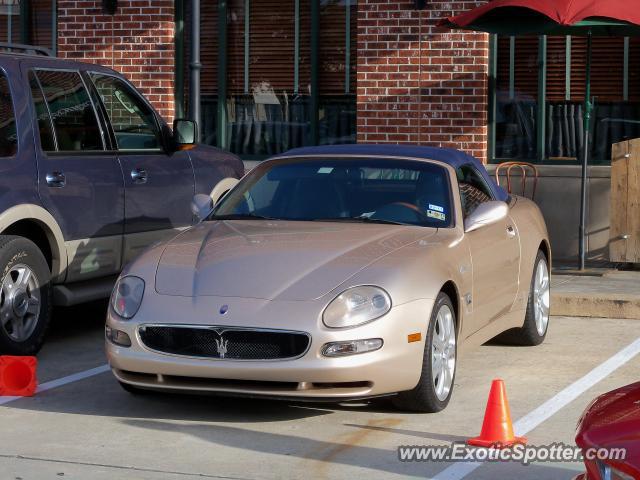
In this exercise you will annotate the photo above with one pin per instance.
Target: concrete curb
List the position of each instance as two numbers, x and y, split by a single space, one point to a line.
607 305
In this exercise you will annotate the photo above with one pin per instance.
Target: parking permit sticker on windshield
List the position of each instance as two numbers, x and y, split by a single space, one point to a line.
436 208
434 214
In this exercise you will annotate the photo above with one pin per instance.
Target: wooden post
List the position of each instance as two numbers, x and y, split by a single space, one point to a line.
624 243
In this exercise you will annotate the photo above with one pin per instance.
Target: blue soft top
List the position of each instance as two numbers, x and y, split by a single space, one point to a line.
450 156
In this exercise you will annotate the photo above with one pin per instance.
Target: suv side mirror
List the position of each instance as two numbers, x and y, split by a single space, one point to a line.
201 206
486 214
185 133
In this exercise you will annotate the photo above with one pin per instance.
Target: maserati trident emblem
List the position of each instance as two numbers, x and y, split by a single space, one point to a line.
221 346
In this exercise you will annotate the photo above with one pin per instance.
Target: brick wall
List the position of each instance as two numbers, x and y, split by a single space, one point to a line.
418 83
138 41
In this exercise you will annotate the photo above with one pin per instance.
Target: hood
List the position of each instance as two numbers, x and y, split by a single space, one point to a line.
613 420
274 259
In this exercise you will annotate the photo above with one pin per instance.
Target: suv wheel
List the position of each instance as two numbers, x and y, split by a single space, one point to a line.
25 296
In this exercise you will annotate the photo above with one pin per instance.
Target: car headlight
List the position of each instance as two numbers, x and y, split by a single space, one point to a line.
127 296
355 306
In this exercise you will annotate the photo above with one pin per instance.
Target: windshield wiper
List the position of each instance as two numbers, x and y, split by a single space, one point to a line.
240 216
360 220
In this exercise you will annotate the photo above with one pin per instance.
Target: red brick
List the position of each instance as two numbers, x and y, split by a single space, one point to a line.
142 42
444 101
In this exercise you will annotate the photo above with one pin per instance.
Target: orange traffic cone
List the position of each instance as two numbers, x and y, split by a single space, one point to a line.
18 376
497 429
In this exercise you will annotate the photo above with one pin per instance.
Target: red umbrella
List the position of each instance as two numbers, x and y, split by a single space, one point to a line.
518 17
557 17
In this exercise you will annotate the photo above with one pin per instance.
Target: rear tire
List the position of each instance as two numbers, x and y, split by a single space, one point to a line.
434 389
536 321
25 296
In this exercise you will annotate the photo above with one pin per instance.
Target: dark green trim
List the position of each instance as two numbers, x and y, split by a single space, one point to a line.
179 59
296 48
25 24
491 114
625 80
315 59
54 27
247 44
542 97
588 104
512 67
221 130
347 47
567 68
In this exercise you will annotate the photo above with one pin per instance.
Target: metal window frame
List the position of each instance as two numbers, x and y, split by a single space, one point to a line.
178 93
541 131
25 25
101 127
541 119
221 126
315 73
493 100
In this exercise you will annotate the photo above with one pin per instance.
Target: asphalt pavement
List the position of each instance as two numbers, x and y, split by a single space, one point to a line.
89 428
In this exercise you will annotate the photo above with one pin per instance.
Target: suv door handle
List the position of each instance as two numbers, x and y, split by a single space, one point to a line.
511 232
56 179
139 175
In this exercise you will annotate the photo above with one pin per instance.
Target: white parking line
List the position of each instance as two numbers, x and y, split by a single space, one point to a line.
62 381
552 406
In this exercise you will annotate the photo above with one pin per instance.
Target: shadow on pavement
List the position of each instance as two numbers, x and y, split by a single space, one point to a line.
353 449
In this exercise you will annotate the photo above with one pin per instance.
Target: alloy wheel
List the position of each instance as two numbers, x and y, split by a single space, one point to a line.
541 293
443 353
19 302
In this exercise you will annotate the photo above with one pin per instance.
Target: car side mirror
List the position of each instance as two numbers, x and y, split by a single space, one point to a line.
221 189
185 133
201 206
486 214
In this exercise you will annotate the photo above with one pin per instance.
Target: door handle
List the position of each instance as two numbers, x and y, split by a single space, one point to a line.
139 175
511 232
56 179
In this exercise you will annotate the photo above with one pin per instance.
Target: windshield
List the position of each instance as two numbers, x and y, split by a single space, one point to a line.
342 189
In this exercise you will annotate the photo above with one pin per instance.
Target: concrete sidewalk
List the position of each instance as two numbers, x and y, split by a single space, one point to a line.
611 293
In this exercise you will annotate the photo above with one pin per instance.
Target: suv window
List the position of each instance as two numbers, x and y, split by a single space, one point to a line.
473 189
133 122
8 135
47 141
74 119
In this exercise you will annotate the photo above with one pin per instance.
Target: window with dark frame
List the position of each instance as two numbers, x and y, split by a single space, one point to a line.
132 121
520 69
74 119
269 103
29 22
45 127
8 133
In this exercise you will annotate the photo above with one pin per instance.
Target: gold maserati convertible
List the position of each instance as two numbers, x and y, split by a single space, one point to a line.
335 273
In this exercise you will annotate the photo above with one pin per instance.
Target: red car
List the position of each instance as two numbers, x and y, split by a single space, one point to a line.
612 421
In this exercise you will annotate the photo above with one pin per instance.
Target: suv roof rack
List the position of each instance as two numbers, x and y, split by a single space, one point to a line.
25 49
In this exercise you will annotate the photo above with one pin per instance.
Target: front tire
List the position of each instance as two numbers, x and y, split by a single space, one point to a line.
536 322
434 389
25 296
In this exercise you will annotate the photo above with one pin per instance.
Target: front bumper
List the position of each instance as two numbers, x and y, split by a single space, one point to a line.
393 368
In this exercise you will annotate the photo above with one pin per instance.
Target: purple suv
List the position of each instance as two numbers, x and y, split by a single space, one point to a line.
90 175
